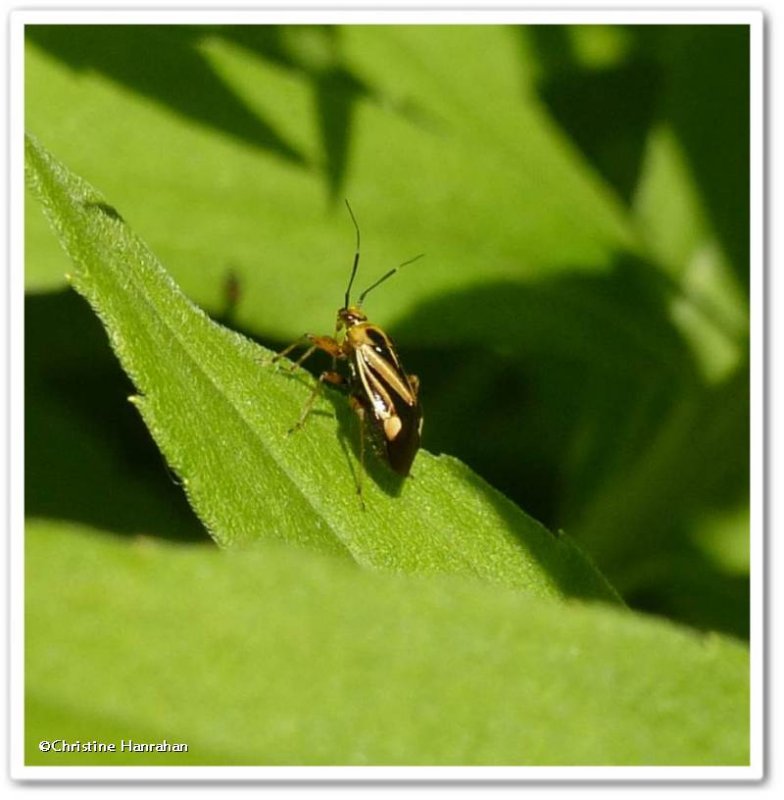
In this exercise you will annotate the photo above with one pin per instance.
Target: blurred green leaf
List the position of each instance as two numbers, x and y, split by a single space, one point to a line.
280 656
220 418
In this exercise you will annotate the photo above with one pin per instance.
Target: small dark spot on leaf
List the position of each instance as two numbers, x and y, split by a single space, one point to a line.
105 208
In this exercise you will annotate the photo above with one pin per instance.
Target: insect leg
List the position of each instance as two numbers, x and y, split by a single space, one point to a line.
293 346
359 409
307 354
325 343
334 378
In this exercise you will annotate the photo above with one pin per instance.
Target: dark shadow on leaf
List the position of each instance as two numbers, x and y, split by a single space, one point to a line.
88 455
337 95
693 78
606 111
686 586
315 52
708 107
163 64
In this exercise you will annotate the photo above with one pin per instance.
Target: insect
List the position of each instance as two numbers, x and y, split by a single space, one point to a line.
380 391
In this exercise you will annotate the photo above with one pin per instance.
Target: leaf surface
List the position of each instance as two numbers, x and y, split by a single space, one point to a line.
279 656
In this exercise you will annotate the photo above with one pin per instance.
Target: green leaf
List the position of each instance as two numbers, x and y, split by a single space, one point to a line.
279 656
220 417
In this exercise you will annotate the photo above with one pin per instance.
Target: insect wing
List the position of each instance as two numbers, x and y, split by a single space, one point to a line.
403 448
390 397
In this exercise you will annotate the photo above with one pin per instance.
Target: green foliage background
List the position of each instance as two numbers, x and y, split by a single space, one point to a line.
580 326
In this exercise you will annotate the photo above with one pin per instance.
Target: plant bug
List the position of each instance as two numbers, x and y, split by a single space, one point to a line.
380 392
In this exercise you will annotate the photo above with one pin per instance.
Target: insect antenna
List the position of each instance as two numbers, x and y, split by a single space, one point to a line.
356 256
385 276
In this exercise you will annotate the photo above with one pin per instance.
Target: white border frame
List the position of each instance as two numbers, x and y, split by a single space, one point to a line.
411 15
